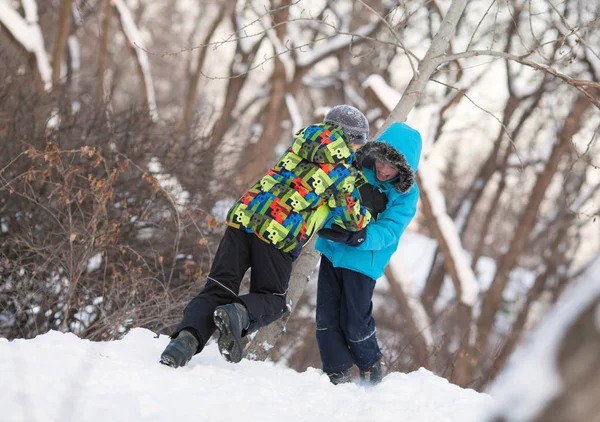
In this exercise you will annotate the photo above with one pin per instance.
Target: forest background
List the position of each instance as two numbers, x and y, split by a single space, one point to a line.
130 126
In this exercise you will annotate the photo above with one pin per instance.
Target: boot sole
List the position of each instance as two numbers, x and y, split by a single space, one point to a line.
230 344
168 361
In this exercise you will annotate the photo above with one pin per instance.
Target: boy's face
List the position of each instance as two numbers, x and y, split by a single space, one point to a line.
384 172
356 146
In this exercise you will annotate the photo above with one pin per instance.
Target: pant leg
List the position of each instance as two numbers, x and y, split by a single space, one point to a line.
231 261
269 279
331 340
357 320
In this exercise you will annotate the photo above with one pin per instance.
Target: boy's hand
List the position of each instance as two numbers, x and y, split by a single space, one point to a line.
338 234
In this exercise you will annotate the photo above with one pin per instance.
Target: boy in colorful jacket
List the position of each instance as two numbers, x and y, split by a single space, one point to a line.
352 261
267 228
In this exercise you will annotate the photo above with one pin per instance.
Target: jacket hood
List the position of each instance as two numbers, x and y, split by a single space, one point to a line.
323 143
400 147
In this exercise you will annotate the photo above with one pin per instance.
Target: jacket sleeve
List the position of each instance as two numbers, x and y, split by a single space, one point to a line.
392 222
346 209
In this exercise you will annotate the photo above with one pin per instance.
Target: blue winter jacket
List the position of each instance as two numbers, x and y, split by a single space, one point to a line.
400 147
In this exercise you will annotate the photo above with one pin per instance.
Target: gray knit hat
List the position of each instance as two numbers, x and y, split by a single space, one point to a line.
352 121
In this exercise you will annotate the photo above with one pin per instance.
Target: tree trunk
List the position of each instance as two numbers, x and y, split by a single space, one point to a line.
260 346
427 66
411 328
134 41
103 53
518 326
60 46
434 283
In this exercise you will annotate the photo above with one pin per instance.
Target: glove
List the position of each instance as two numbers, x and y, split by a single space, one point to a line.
372 199
338 234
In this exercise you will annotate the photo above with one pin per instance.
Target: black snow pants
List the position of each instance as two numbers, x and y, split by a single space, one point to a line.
346 333
269 279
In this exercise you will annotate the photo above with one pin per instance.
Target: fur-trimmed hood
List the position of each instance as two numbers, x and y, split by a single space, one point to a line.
400 147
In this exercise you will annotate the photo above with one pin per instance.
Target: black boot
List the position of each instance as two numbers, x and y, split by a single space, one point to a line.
372 375
340 377
180 350
231 320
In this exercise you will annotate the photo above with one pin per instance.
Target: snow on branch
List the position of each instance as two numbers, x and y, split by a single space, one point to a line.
294 112
336 43
27 32
247 42
134 37
468 289
594 62
387 95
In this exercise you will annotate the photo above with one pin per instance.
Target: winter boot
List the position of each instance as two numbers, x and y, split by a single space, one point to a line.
372 375
231 320
180 350
340 377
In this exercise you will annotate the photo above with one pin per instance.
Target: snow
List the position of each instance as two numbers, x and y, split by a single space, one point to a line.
75 53
535 360
594 61
27 32
169 183
468 281
354 97
54 119
415 256
59 377
388 95
246 41
334 43
30 8
463 213
409 288
94 263
295 115
221 208
15 24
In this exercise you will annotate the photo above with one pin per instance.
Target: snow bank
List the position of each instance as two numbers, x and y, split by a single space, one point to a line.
59 377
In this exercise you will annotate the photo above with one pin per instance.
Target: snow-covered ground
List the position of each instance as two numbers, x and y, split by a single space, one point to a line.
59 377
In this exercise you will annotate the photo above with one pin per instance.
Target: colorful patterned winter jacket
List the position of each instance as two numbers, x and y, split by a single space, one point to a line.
400 147
315 176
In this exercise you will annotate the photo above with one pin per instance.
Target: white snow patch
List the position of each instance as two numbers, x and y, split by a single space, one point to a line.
59 377
94 262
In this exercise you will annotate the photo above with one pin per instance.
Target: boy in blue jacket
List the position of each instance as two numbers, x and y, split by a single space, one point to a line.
351 262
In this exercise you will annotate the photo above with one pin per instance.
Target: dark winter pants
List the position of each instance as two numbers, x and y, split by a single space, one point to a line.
271 270
345 327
